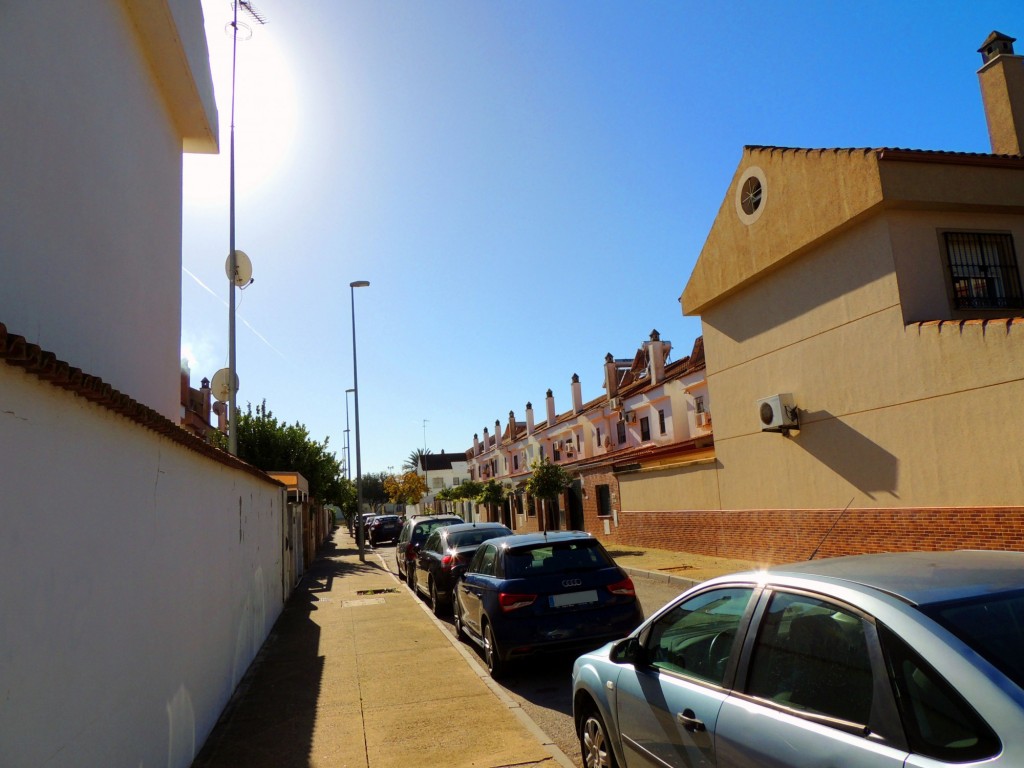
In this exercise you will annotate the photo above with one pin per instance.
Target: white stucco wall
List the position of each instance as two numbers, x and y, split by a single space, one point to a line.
138 580
90 191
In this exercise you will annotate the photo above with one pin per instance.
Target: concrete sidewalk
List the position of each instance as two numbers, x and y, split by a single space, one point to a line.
358 673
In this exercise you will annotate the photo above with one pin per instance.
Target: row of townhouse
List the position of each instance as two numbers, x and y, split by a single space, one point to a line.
862 317
654 412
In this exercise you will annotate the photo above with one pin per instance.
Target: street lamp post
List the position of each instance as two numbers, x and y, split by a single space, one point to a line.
355 388
348 441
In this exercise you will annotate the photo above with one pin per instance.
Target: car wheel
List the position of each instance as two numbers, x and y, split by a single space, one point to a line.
594 742
492 656
435 603
460 630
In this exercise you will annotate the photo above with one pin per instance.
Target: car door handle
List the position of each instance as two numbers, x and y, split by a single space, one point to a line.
688 719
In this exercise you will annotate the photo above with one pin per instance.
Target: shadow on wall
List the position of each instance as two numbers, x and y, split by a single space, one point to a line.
862 463
277 714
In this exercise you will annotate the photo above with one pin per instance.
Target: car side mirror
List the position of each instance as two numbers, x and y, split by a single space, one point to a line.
629 651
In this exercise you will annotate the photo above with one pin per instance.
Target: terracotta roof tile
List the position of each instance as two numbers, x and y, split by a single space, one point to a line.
899 153
17 352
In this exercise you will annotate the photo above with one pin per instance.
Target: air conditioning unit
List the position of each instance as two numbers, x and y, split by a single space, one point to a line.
614 403
629 417
777 413
703 418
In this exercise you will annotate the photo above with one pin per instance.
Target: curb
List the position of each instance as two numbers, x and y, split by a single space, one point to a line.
474 664
666 578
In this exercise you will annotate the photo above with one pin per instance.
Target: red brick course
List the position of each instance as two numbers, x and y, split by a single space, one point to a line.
782 535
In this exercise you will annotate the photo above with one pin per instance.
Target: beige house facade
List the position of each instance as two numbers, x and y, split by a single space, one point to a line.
877 292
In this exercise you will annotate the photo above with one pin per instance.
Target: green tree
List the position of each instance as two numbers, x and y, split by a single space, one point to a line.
413 462
272 446
547 482
373 489
492 494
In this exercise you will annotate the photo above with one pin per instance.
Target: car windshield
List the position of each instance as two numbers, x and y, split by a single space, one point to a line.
475 538
559 557
993 625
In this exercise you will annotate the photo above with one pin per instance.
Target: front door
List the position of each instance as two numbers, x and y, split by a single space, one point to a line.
576 506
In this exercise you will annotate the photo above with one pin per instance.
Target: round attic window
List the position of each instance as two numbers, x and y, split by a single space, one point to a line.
751 195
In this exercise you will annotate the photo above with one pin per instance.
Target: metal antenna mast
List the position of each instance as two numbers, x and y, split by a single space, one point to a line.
232 258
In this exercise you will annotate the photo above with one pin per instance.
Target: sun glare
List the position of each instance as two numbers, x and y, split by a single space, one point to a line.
265 113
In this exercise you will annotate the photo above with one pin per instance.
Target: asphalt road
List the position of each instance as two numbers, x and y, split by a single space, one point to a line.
543 686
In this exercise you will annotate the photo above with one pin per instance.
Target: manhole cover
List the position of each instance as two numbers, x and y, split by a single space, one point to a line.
375 591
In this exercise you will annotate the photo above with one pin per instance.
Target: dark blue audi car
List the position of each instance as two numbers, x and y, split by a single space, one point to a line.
543 592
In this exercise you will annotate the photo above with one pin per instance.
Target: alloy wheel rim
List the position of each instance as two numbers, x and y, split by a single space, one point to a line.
595 746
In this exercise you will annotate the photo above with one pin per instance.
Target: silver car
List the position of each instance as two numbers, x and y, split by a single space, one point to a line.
895 660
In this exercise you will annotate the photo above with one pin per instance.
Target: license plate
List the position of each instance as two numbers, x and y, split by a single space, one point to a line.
573 598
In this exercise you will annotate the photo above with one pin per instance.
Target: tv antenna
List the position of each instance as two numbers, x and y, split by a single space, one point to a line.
232 265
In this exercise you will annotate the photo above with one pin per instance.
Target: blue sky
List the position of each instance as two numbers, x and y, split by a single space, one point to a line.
526 185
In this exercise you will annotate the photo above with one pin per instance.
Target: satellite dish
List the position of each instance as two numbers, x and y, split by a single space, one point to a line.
243 269
219 385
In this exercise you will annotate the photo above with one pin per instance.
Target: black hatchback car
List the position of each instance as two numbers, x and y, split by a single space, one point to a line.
384 528
444 556
543 592
413 534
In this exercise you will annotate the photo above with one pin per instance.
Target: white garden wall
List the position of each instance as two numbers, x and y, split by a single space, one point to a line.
138 579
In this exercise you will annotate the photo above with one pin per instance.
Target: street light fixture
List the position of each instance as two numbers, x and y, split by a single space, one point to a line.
355 388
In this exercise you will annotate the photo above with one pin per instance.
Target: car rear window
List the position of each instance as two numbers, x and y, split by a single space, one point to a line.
425 529
993 625
475 538
558 557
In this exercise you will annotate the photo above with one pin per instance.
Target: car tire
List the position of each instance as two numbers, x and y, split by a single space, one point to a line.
435 604
460 629
492 655
595 746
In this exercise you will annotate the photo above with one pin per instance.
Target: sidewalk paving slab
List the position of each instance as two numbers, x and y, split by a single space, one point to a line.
357 673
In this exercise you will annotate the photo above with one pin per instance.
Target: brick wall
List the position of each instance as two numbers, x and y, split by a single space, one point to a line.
783 535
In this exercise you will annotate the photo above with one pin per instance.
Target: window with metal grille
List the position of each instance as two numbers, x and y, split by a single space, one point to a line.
983 269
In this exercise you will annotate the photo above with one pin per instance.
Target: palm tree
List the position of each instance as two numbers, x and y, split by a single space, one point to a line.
414 461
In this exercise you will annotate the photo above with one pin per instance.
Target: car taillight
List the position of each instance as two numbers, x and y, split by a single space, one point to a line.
450 561
624 587
511 601
410 551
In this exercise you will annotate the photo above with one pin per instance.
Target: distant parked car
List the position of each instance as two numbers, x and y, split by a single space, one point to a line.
444 556
876 661
414 532
367 518
543 592
384 528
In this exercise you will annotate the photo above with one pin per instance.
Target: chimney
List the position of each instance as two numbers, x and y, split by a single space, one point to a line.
204 390
657 352
497 433
529 419
551 409
476 443
611 376
511 426
1002 90
577 394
